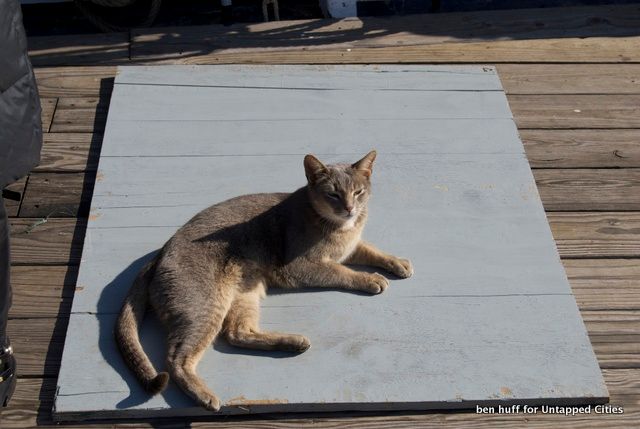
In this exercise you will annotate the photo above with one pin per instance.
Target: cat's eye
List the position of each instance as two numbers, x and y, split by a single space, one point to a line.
358 192
333 195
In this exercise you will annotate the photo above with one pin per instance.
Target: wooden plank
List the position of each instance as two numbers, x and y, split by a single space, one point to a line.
352 138
42 291
314 41
604 284
48 108
588 189
449 178
576 111
31 403
91 81
188 103
54 242
80 115
30 407
37 344
69 152
57 195
570 79
584 235
612 322
582 148
562 50
12 207
73 50
614 355
331 77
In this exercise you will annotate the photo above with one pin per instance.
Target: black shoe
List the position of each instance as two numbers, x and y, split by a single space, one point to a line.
7 374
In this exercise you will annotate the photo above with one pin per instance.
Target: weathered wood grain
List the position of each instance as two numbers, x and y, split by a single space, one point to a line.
576 111
569 50
582 148
604 284
30 404
37 344
585 235
69 152
12 206
46 241
57 195
73 50
48 108
80 115
588 189
570 79
91 81
42 291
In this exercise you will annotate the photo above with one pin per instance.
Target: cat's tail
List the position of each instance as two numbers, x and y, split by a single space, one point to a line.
128 339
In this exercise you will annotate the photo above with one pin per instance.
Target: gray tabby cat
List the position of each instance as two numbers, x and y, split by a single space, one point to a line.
210 276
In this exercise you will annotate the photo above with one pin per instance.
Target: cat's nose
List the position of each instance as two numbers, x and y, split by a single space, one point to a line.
349 209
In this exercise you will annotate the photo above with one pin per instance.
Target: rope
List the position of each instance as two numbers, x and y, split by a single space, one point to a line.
93 14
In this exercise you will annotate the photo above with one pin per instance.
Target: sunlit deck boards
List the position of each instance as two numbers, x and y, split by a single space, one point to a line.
596 231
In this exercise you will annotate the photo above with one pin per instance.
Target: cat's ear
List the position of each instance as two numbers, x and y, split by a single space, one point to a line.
313 168
365 165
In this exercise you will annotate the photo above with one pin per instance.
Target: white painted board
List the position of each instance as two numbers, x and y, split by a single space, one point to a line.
487 318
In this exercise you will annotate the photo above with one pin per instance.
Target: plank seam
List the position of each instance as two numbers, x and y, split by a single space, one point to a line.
278 88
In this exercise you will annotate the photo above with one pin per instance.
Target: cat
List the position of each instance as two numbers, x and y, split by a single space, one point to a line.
209 278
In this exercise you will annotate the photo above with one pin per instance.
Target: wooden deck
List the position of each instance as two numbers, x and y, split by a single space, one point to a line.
573 81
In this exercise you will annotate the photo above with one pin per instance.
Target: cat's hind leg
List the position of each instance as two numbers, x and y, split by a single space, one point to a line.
241 327
194 334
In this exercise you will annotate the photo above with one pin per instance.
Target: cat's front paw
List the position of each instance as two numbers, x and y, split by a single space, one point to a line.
401 267
374 283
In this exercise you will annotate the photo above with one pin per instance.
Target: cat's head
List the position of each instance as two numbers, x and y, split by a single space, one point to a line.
339 192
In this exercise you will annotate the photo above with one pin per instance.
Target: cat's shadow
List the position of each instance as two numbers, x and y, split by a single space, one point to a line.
152 336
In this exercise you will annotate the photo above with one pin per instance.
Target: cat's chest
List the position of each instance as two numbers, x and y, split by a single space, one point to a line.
340 246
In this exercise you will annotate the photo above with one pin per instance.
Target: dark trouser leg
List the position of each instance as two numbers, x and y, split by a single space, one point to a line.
7 361
5 287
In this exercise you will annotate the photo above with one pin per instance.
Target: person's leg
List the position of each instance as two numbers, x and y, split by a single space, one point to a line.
7 361
5 288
